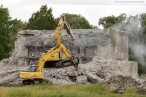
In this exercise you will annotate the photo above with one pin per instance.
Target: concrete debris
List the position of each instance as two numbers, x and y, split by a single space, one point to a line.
95 72
10 76
103 54
118 84
81 79
142 91
143 79
93 78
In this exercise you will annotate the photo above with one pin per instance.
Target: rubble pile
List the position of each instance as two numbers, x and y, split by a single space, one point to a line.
9 75
120 83
92 72
102 53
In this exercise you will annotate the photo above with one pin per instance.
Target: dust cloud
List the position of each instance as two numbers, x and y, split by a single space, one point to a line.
132 26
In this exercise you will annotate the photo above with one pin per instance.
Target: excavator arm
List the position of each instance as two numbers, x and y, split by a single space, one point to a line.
53 51
62 24
59 46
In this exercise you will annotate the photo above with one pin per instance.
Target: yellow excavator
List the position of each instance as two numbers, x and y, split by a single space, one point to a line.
59 55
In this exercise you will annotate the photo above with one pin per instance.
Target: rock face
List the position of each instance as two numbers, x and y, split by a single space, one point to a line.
102 54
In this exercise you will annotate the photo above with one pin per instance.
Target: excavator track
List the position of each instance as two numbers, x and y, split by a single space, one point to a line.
65 63
31 81
28 82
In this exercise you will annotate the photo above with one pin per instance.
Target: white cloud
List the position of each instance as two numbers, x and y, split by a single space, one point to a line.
22 9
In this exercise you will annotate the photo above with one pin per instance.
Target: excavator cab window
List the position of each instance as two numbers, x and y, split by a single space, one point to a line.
32 68
50 64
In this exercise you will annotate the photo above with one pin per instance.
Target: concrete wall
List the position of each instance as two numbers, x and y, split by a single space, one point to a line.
30 44
120 44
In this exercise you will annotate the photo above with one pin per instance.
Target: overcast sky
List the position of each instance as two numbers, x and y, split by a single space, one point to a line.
91 9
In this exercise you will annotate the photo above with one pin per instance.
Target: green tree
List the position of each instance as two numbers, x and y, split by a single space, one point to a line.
15 26
8 32
143 22
109 21
42 19
5 45
77 21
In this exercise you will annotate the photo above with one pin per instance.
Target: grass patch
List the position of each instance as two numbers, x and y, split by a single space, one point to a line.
143 75
96 88
76 90
19 92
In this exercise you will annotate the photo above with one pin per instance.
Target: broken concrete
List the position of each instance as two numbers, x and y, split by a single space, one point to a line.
10 75
92 72
81 79
102 54
118 84
142 91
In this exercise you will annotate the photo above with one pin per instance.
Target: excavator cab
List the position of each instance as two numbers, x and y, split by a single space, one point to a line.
32 68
